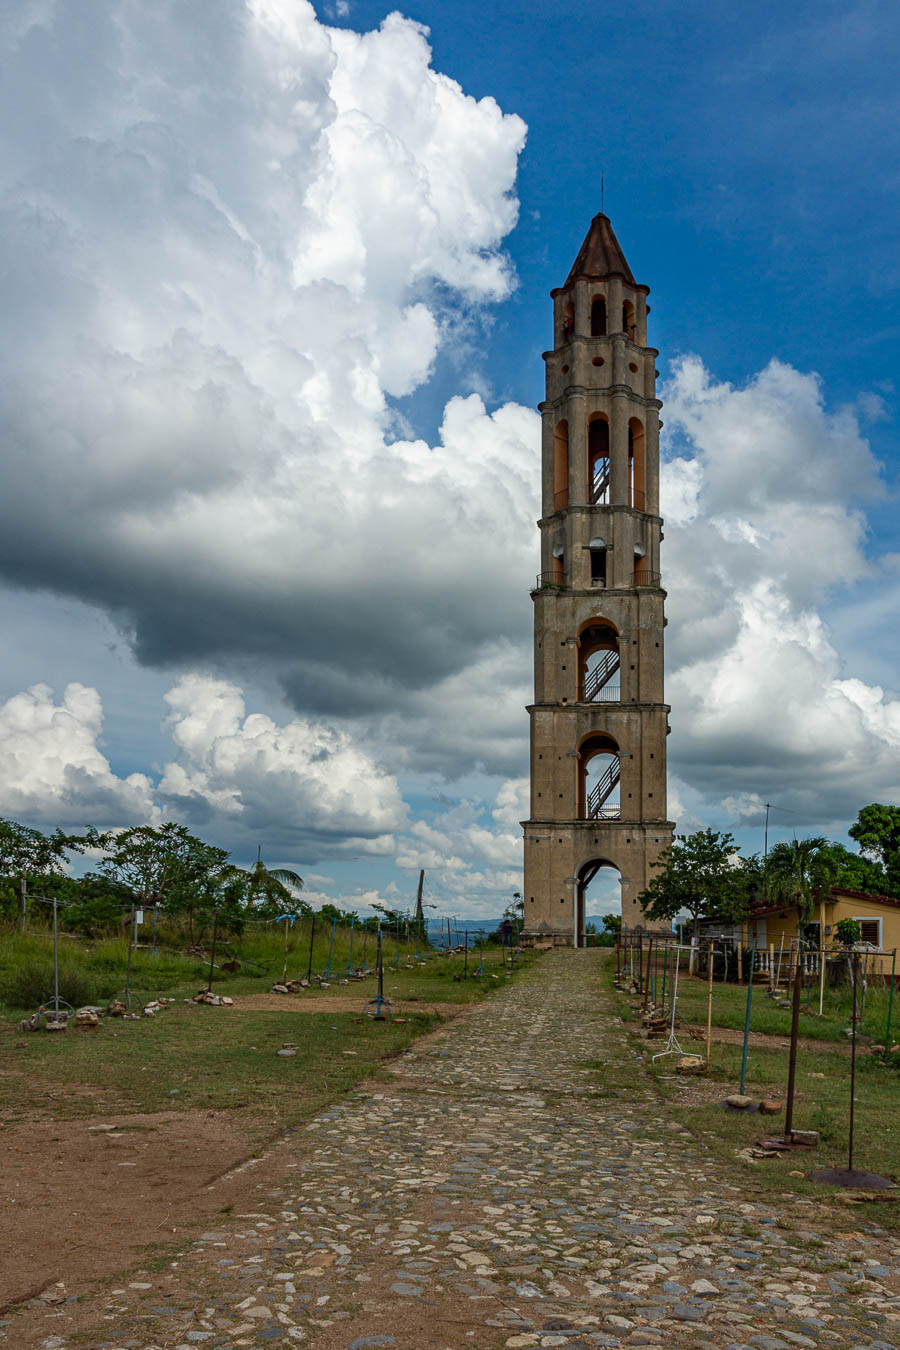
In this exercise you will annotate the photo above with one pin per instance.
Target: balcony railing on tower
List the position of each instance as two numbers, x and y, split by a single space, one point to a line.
550 581
596 802
597 687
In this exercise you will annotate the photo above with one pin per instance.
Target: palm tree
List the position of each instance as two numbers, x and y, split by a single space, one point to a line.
272 884
795 870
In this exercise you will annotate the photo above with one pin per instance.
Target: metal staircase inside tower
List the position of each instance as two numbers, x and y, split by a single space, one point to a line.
600 482
596 808
597 680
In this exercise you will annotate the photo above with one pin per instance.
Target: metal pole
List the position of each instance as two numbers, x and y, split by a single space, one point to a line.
155 916
618 955
466 956
23 884
365 943
55 960
350 962
747 1018
709 1005
312 935
287 924
380 959
887 1034
792 1061
853 1065
821 968
640 964
212 959
330 949
128 964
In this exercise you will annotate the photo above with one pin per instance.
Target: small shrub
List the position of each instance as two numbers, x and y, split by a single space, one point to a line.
29 982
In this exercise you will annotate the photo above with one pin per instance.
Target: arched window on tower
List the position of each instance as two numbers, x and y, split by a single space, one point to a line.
637 468
598 316
598 663
598 460
628 324
598 778
561 466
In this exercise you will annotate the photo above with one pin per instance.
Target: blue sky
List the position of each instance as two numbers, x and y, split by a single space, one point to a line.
276 297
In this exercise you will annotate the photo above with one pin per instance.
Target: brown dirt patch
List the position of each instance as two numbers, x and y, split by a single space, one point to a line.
765 1040
82 1203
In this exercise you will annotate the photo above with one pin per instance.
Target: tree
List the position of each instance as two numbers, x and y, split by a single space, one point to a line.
848 932
795 871
856 871
700 874
273 889
516 908
28 855
165 867
877 831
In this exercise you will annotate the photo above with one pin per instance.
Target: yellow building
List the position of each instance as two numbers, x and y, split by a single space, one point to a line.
773 930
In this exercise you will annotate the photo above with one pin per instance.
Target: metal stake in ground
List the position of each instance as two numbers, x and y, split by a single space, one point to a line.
350 962
312 938
330 949
128 963
379 1002
747 1018
710 959
212 959
466 954
848 1176
647 980
672 1046
55 960
887 1031
792 1060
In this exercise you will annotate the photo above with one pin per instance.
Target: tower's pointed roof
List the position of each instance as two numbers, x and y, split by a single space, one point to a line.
600 255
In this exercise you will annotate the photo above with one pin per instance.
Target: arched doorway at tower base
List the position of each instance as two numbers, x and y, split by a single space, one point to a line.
598 882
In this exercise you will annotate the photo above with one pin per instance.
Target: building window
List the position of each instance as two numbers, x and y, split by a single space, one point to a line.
598 317
869 930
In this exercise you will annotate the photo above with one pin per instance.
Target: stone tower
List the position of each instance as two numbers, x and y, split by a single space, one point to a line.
598 721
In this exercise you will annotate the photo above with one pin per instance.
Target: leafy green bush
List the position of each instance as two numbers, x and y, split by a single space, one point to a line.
29 982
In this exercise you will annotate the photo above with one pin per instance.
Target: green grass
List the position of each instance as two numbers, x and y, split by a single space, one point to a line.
94 971
196 1057
822 1095
730 1003
820 1103
200 1058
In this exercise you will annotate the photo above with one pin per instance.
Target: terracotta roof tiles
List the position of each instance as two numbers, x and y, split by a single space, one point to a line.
600 255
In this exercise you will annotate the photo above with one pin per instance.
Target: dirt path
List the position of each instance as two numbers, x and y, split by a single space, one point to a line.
518 1184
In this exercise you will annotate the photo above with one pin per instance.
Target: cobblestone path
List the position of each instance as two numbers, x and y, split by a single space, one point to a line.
495 1194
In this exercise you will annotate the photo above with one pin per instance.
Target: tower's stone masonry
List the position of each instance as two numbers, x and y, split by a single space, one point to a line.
598 721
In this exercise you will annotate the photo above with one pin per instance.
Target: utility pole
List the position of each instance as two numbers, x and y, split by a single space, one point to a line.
419 912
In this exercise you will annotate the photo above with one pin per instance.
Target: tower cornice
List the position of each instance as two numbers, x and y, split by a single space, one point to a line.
610 390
